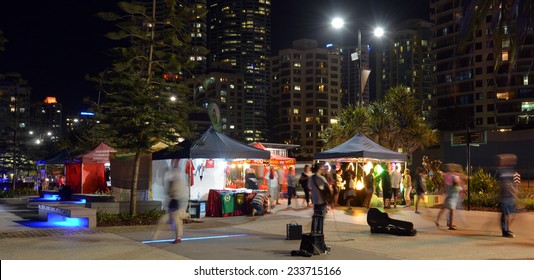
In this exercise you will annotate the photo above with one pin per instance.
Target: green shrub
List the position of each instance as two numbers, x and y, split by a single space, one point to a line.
150 217
482 199
483 182
18 192
527 203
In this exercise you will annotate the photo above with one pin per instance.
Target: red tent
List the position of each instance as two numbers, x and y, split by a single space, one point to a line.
276 159
86 174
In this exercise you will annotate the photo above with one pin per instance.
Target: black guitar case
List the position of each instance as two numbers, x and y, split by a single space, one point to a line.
382 223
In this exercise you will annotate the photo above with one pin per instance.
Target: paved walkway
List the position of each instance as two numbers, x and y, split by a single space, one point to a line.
263 238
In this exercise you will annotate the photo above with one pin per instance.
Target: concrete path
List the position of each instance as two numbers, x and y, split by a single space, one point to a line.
263 238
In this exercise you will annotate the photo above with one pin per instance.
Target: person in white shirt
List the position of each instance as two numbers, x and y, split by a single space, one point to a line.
396 177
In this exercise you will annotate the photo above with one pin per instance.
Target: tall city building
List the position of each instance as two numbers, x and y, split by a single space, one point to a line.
406 61
306 94
239 34
14 124
48 119
14 104
196 29
223 87
351 66
470 88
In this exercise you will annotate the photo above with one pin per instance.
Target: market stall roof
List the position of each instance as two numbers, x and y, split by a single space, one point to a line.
275 158
100 154
359 146
212 144
182 150
59 158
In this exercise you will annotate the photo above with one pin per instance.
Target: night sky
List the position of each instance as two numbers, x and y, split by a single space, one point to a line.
54 45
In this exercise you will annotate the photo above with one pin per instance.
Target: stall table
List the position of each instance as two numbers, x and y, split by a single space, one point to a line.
225 203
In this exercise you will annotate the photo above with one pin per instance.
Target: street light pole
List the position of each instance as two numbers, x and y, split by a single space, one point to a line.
360 88
378 32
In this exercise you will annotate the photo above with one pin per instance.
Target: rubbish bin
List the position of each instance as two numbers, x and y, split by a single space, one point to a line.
197 208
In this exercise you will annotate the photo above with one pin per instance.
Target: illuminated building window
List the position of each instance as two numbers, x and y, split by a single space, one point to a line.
296 87
296 111
527 106
321 88
503 95
504 55
285 88
525 80
309 119
296 64
333 121
321 112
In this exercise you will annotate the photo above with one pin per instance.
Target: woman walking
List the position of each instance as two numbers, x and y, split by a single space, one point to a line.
420 187
453 186
303 180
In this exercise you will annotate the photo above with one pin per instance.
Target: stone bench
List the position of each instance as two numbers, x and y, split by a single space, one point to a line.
61 212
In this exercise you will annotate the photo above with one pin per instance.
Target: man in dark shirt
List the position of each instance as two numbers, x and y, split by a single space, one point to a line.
385 178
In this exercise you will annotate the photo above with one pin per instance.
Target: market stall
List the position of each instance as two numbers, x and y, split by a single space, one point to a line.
279 163
86 174
361 152
51 169
207 164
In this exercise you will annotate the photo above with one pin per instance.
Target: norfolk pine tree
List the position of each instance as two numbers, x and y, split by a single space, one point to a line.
144 101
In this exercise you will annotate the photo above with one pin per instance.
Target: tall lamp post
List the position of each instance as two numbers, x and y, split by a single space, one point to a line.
338 23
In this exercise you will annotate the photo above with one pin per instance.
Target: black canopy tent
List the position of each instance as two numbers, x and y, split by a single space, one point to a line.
359 146
213 144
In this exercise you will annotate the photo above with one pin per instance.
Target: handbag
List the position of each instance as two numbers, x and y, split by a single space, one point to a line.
173 204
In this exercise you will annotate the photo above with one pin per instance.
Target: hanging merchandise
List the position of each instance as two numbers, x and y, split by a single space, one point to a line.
201 170
189 170
210 163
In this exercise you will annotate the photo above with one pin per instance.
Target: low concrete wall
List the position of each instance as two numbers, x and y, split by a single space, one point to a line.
431 199
124 206
93 197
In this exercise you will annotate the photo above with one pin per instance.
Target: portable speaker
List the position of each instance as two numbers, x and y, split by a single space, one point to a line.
313 243
293 231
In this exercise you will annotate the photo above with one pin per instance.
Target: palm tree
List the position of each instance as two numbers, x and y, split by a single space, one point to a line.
395 123
409 131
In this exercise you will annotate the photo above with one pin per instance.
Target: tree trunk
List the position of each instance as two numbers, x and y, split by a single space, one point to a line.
135 179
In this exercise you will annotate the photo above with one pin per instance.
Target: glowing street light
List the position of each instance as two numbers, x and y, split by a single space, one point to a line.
338 23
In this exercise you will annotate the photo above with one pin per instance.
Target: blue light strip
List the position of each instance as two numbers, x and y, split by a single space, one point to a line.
193 238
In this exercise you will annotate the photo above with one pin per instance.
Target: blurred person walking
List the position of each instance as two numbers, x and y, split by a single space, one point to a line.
178 198
507 191
291 190
420 187
453 186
